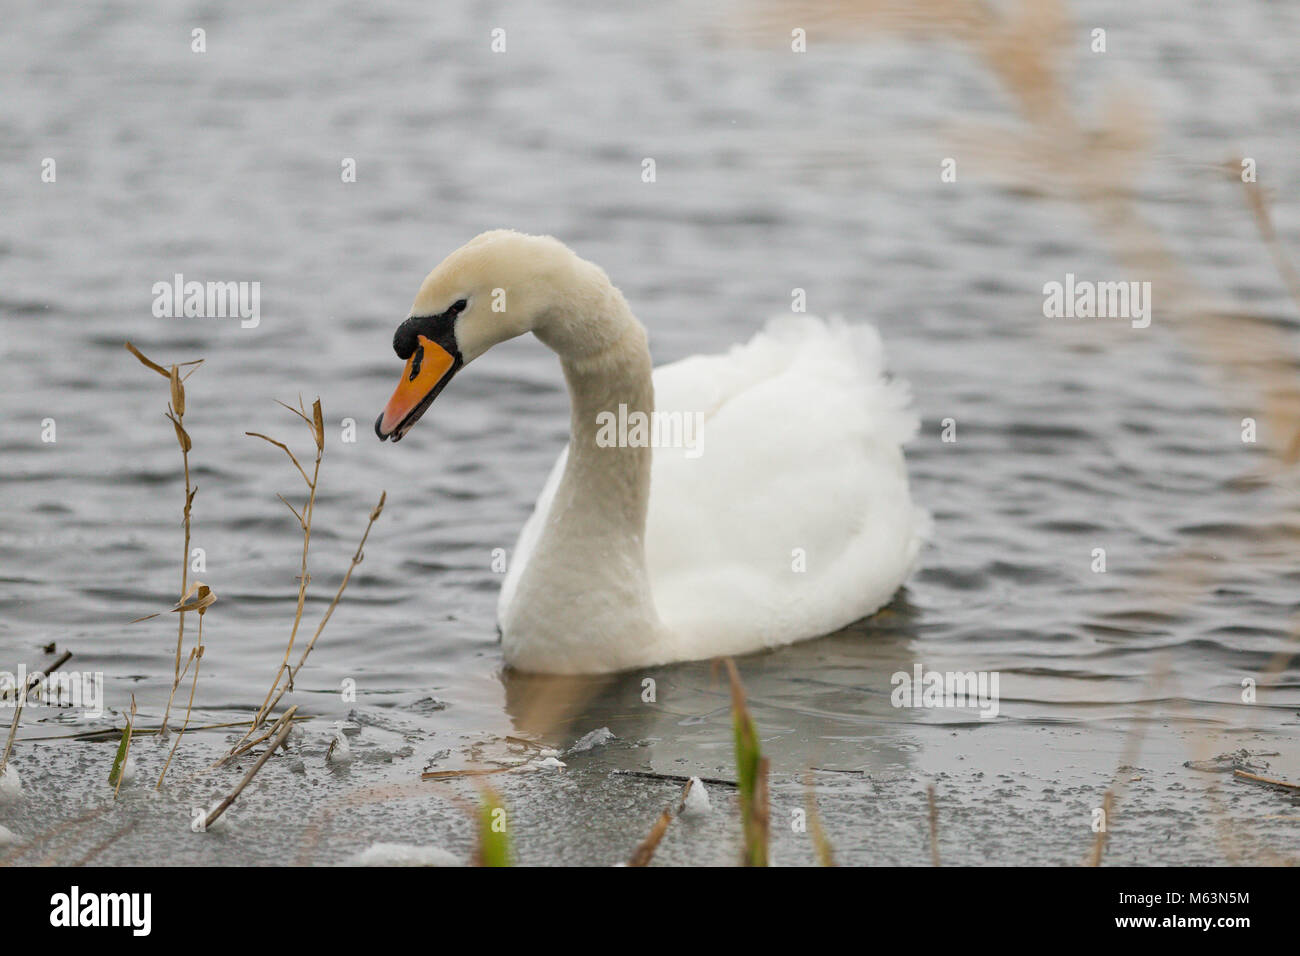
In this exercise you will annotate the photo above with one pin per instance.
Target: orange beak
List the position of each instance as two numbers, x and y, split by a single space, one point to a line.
427 371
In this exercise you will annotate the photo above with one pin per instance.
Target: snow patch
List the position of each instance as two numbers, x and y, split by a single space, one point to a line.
11 785
696 803
406 854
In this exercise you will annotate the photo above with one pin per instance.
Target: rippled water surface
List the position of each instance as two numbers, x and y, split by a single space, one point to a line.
775 171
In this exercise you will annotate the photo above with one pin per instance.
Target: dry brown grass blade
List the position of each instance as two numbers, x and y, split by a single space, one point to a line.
149 363
178 392
146 361
279 444
645 850
318 424
301 523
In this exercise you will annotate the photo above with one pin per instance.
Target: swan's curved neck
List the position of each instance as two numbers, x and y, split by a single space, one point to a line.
594 539
606 359
610 481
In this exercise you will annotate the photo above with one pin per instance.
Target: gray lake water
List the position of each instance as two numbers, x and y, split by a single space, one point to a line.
775 171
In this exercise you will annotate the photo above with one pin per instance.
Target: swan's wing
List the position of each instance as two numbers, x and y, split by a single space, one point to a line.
796 464
794 519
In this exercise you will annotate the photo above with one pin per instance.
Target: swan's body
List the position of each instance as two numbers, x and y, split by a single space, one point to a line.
787 517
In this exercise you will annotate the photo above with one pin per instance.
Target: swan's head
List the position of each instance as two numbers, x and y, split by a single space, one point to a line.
498 285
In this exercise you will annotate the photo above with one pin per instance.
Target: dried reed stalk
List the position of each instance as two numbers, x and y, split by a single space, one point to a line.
285 724
645 850
278 690
1256 778
176 415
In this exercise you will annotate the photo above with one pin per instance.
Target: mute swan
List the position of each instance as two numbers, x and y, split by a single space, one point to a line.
786 517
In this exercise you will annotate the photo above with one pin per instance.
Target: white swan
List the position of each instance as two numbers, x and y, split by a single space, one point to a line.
787 518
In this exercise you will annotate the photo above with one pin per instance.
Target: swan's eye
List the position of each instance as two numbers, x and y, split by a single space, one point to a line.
458 306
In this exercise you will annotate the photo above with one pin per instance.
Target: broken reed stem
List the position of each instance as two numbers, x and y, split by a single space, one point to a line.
1256 778
358 556
469 772
285 724
34 681
934 826
645 850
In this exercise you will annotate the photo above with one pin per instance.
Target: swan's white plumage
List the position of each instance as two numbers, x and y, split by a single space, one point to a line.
799 453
